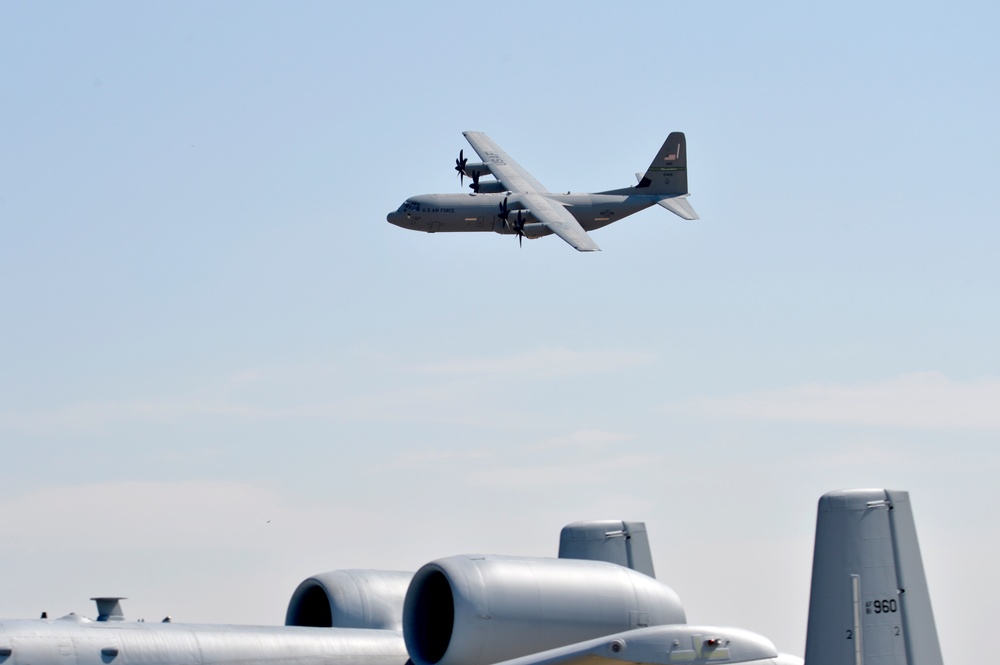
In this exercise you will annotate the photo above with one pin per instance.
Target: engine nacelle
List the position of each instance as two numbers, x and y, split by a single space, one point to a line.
350 599
477 610
531 228
490 187
536 230
484 169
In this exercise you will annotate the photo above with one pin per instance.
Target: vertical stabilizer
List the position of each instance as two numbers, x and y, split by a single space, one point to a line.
623 543
667 174
869 603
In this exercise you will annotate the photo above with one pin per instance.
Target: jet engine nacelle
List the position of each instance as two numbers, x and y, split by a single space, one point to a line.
477 610
350 599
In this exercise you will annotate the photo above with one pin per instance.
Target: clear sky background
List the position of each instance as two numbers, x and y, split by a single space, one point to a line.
221 370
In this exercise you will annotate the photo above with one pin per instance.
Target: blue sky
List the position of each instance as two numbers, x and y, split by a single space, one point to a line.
208 324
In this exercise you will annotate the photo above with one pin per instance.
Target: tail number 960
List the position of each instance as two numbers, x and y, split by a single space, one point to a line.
884 606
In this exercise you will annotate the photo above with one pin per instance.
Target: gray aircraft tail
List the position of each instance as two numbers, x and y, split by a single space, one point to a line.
667 174
666 178
623 543
869 603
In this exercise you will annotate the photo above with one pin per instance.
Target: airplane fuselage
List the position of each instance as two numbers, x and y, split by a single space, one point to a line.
442 213
74 640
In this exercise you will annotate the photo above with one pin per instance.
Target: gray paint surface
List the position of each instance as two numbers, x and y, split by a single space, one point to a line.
75 640
869 603
623 543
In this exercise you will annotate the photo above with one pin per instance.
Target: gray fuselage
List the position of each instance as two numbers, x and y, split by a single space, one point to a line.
441 213
74 640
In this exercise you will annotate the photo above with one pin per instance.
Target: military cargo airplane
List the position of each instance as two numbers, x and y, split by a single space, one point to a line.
515 203
599 603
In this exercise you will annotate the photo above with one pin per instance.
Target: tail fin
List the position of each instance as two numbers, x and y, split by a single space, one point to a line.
869 603
666 178
668 173
623 543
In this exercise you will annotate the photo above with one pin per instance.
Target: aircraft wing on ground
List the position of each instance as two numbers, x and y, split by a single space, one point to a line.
559 220
663 645
511 174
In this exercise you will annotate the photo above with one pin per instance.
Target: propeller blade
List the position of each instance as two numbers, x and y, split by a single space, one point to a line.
475 181
460 166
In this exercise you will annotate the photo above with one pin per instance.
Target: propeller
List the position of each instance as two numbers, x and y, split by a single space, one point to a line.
518 225
519 228
460 166
475 181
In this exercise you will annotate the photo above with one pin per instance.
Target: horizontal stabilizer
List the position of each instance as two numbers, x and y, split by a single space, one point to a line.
680 207
677 644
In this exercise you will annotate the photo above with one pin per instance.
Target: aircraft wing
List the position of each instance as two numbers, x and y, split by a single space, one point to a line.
661 645
511 174
555 216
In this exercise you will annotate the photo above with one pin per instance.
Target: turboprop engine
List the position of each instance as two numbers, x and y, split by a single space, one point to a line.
478 186
487 187
476 610
529 228
350 599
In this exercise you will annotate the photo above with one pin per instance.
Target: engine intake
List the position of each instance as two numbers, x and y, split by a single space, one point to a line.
350 599
477 610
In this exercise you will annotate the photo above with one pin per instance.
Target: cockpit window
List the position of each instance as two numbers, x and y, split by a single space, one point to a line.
408 206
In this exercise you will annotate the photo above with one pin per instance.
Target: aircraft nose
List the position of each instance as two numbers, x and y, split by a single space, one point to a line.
397 218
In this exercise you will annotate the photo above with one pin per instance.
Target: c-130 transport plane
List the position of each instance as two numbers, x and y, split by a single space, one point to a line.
516 203
597 604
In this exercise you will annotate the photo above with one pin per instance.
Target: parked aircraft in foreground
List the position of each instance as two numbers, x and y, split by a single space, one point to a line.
514 202
597 604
